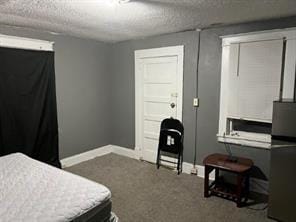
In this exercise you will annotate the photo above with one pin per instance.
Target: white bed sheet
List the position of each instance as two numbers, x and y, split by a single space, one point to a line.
33 191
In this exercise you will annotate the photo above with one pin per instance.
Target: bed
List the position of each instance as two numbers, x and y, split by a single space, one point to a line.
34 191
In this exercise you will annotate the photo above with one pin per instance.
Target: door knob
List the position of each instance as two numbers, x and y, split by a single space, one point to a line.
173 105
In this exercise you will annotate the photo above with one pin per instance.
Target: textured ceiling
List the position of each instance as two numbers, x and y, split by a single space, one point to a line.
109 21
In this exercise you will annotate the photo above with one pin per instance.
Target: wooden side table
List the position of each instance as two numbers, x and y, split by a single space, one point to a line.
241 168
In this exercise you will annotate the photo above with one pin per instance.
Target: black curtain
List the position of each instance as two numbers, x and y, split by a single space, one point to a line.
28 111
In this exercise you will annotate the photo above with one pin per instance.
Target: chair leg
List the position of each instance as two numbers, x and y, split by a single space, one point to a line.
157 159
178 166
181 162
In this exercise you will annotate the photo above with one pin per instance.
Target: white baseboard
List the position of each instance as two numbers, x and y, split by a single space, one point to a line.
124 151
256 185
101 151
187 167
72 160
201 172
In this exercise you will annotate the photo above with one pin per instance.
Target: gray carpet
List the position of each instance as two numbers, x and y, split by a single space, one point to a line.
142 193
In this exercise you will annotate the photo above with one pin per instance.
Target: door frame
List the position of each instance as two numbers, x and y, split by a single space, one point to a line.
149 53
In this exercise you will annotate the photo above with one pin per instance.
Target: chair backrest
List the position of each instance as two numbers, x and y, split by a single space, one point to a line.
172 124
171 136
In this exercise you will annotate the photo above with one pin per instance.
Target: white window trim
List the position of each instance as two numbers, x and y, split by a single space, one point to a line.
25 43
289 33
288 81
243 142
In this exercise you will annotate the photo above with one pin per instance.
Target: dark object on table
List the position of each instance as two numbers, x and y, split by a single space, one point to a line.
171 141
241 168
233 159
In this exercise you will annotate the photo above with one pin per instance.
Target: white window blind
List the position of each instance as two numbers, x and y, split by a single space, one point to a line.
254 79
233 80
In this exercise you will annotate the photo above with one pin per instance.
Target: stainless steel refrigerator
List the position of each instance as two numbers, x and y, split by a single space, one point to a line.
282 184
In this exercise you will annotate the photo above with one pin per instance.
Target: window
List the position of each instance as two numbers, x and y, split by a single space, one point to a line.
254 74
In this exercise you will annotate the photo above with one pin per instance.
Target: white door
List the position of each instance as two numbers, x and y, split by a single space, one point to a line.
159 85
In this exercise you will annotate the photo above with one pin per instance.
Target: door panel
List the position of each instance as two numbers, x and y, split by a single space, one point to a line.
158 109
149 150
151 126
160 70
157 90
160 93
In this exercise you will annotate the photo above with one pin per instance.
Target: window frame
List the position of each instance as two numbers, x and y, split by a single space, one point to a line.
258 140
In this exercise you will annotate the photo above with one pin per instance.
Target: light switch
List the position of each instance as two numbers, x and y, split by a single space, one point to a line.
195 102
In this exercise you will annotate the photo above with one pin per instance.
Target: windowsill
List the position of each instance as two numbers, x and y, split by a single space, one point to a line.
243 142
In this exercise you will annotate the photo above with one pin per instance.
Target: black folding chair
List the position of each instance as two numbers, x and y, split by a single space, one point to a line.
171 141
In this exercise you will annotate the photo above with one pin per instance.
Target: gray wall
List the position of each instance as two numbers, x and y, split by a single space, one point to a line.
123 96
82 80
123 87
96 93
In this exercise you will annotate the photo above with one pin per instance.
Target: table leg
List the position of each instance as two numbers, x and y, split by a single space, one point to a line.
239 190
216 175
247 186
206 181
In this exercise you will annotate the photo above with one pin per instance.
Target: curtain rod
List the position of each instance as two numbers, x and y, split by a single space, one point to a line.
25 43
